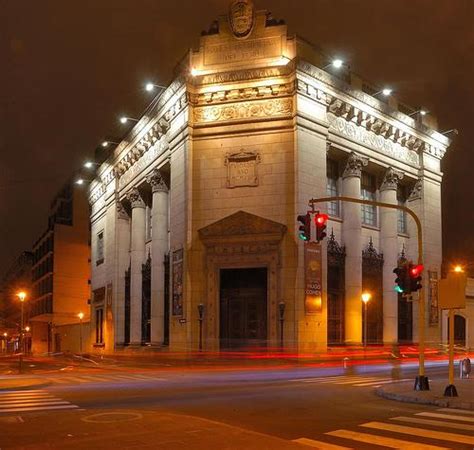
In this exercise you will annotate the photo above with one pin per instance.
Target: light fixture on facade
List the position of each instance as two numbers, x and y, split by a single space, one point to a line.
151 87
421 112
107 143
79 181
453 130
124 119
385 91
336 63
195 72
89 164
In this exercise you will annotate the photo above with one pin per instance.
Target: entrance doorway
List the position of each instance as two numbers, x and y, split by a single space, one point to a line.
243 308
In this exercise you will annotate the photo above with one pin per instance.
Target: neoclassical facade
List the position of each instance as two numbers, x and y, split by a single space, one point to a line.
194 232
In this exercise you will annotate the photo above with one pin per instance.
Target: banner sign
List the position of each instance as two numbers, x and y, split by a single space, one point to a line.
313 279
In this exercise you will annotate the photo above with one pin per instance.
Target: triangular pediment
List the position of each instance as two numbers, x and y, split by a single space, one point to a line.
242 224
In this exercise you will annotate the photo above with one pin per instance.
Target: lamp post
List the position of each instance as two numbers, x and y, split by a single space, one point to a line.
81 316
366 296
22 296
5 341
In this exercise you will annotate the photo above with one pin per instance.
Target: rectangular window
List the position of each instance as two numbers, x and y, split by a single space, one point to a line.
401 215
332 178
99 326
100 248
368 192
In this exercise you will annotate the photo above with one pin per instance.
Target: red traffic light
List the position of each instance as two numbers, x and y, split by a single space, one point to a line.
415 271
321 219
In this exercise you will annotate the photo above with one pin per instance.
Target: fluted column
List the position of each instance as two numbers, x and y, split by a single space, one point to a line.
137 257
351 235
159 247
389 248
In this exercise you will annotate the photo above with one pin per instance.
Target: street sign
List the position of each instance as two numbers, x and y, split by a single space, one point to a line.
452 291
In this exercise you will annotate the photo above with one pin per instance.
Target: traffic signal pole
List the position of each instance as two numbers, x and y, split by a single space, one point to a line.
421 382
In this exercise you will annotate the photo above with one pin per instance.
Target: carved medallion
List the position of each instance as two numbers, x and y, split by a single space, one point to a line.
242 168
241 17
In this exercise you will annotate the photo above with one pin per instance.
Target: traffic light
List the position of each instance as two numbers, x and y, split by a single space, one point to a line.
304 230
414 272
321 224
402 281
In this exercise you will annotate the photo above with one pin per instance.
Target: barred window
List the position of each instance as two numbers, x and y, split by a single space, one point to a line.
100 248
99 326
368 192
332 178
401 215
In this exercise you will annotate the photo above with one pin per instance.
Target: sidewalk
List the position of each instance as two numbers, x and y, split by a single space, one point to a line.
404 392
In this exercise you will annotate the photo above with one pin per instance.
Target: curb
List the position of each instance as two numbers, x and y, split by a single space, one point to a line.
25 387
444 403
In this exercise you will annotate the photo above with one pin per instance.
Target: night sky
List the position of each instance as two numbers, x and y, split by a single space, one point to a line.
69 69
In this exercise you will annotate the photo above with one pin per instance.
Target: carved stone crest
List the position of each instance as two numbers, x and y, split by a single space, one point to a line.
241 17
242 168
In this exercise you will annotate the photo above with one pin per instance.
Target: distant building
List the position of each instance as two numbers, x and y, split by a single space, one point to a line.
195 211
16 279
61 275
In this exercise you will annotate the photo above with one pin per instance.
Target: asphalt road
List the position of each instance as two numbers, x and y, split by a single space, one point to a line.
266 408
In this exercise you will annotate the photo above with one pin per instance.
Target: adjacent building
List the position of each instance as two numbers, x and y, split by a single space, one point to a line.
193 216
61 276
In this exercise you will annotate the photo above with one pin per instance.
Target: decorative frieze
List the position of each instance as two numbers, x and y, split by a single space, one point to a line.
391 179
279 107
354 165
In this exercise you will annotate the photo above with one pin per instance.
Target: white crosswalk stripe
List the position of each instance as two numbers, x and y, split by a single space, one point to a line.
447 428
31 401
353 380
102 378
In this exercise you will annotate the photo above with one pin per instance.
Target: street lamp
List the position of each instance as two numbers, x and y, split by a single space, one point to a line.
90 164
107 143
458 268
22 296
81 316
5 341
366 296
422 112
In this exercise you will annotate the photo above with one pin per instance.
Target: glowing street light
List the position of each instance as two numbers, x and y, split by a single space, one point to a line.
458 268
80 181
421 112
27 329
22 296
366 296
81 316
107 143
90 165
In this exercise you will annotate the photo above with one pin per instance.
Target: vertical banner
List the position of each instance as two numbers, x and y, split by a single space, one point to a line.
177 282
313 292
433 297
108 303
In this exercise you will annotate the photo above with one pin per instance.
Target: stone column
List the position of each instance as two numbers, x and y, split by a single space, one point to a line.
159 247
137 257
122 254
352 238
389 248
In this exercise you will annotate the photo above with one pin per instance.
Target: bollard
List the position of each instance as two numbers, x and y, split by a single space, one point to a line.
344 362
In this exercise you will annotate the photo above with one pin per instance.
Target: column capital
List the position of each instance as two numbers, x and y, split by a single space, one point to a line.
354 165
417 191
391 179
121 211
135 198
157 182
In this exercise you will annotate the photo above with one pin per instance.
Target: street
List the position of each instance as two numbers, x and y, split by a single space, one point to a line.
265 408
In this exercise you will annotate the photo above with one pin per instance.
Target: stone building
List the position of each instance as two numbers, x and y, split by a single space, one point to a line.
195 210
61 275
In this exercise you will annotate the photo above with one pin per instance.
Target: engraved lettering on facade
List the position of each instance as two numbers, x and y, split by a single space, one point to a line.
242 168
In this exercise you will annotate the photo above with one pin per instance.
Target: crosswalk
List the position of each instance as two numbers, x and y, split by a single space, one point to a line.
353 380
102 378
446 428
31 401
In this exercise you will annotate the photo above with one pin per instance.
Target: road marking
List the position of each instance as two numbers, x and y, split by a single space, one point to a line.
40 408
7 396
436 423
94 378
379 383
27 400
362 380
383 441
456 411
24 405
446 416
452 437
320 445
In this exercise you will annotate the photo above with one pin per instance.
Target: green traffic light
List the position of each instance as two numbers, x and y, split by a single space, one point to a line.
398 289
